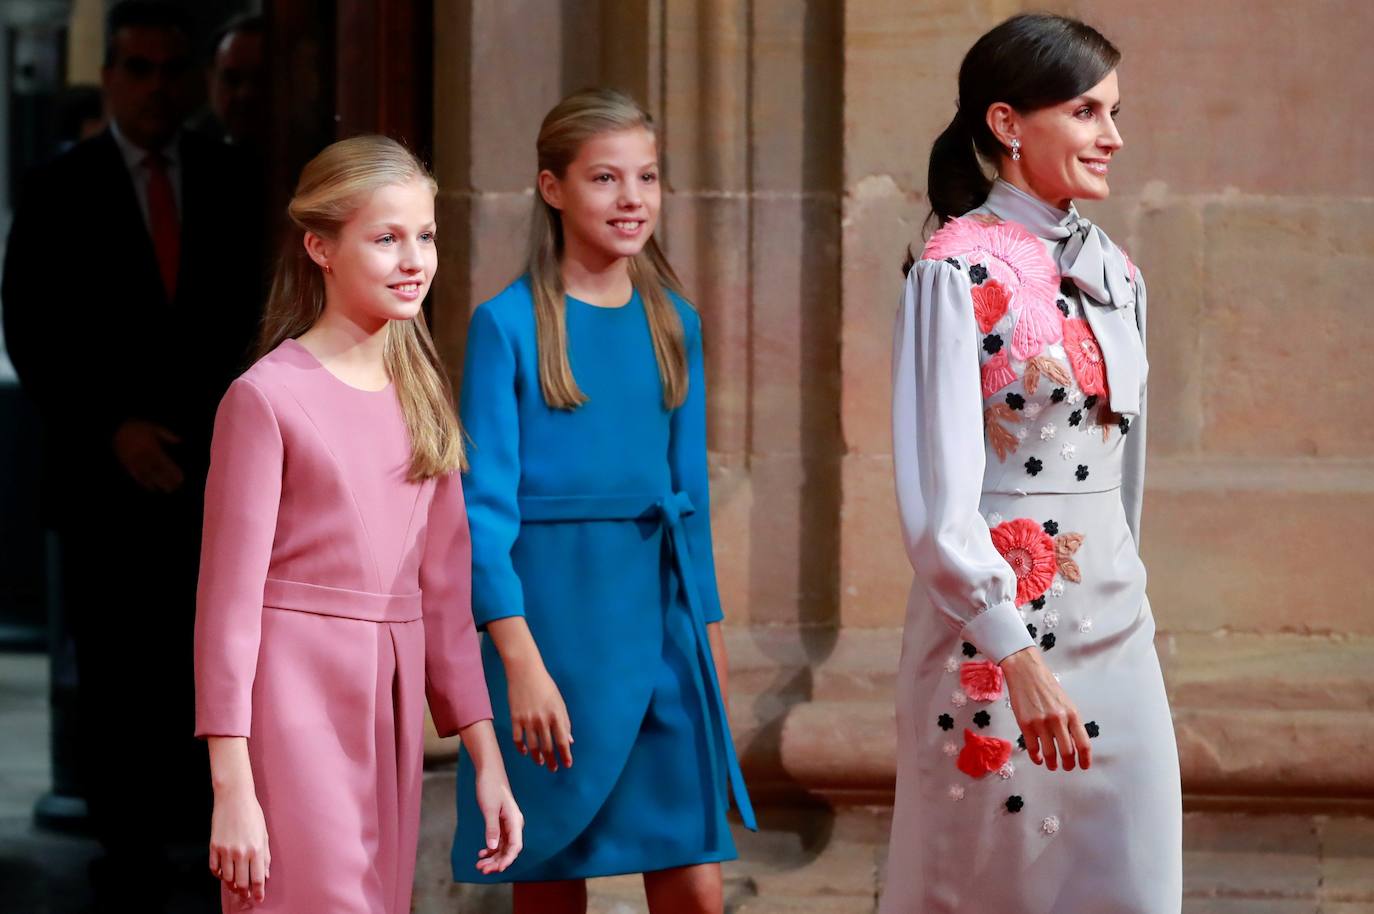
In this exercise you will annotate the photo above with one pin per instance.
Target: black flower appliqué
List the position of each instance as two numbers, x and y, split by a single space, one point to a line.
953 262
1030 627
1047 642
945 721
970 650
1058 395
1092 728
1021 742
1063 307
1037 603
1076 417
1034 466
1015 803
982 719
1124 423
1090 402
992 344
978 274
1051 527
1081 473
1016 401
1067 288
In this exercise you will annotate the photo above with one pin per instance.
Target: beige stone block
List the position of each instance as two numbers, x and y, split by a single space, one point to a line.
793 905
706 94
1347 867
838 746
500 233
1272 557
1287 673
707 241
875 576
1251 857
879 222
901 83
732 502
1287 139
794 339
1247 905
1285 328
793 576
796 108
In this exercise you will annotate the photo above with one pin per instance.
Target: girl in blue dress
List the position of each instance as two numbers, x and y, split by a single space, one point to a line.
593 577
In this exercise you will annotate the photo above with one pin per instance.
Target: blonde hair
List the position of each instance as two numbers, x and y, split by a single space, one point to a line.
572 122
333 186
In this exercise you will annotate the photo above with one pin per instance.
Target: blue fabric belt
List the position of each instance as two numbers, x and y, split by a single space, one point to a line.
668 511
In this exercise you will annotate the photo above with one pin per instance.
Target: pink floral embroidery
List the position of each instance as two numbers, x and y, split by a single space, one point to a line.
990 301
997 373
981 679
1030 552
1018 260
1065 545
982 754
1085 357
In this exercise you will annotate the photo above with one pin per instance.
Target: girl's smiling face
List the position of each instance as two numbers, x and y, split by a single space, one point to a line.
384 259
609 196
1066 149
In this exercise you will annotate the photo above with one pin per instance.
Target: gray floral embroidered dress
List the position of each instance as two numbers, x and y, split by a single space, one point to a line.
1018 425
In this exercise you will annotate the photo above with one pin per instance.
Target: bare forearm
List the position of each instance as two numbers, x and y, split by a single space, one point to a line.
514 643
230 769
479 739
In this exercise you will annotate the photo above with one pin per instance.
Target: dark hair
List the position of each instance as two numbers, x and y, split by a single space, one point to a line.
143 14
1031 61
247 23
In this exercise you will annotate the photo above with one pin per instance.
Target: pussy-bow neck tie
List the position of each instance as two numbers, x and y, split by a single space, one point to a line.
1089 259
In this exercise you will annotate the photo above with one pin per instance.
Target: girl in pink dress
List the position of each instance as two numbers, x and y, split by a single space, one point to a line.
334 584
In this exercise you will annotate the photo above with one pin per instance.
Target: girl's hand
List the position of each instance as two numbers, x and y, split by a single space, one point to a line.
539 719
1048 719
239 855
505 824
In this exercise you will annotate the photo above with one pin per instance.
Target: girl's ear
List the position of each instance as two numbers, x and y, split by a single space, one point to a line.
550 188
317 250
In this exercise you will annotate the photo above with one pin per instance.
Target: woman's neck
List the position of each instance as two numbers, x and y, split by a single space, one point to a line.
600 281
352 349
1017 179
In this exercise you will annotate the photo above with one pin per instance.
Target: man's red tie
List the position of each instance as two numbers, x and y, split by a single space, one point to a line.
163 221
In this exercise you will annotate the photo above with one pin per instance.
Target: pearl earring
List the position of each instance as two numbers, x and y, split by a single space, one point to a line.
1016 150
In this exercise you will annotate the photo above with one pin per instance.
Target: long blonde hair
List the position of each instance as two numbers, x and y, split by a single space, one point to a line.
333 186
572 122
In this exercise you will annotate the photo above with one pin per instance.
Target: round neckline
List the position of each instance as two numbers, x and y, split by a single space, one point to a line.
314 358
634 294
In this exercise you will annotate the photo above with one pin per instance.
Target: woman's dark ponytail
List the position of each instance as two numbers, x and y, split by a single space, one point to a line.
1030 61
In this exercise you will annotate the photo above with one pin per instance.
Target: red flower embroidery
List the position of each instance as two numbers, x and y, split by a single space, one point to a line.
997 373
1085 357
990 301
1029 551
981 680
982 754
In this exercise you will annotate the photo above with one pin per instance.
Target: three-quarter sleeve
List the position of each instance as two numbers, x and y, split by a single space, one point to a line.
490 411
242 497
454 683
1133 456
687 460
938 454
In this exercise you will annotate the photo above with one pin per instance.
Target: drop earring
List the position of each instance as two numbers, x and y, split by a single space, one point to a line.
1016 150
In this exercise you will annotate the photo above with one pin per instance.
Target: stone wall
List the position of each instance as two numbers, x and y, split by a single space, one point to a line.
796 136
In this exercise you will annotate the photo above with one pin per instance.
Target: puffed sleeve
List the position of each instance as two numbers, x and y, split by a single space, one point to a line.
491 416
1133 457
938 456
242 495
687 460
454 683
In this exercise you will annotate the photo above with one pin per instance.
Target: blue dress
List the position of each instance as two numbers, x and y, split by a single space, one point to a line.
594 524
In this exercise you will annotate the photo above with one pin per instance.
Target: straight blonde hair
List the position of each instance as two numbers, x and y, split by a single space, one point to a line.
572 122
333 186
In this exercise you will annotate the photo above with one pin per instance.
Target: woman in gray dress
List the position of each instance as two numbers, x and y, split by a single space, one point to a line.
1037 767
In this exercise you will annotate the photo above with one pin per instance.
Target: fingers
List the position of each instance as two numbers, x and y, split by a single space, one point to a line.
214 861
518 735
546 745
493 819
1084 747
511 841
242 871
257 878
563 736
1032 738
1059 731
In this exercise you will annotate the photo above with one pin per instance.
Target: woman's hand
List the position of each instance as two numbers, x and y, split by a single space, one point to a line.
505 823
1048 719
538 716
239 855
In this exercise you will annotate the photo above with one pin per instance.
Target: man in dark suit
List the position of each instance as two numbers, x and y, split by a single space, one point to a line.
132 285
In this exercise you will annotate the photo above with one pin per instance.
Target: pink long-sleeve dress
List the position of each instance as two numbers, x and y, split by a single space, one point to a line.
333 598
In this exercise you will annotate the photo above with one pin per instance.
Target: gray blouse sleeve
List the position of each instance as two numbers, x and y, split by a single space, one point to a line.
938 455
1133 458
